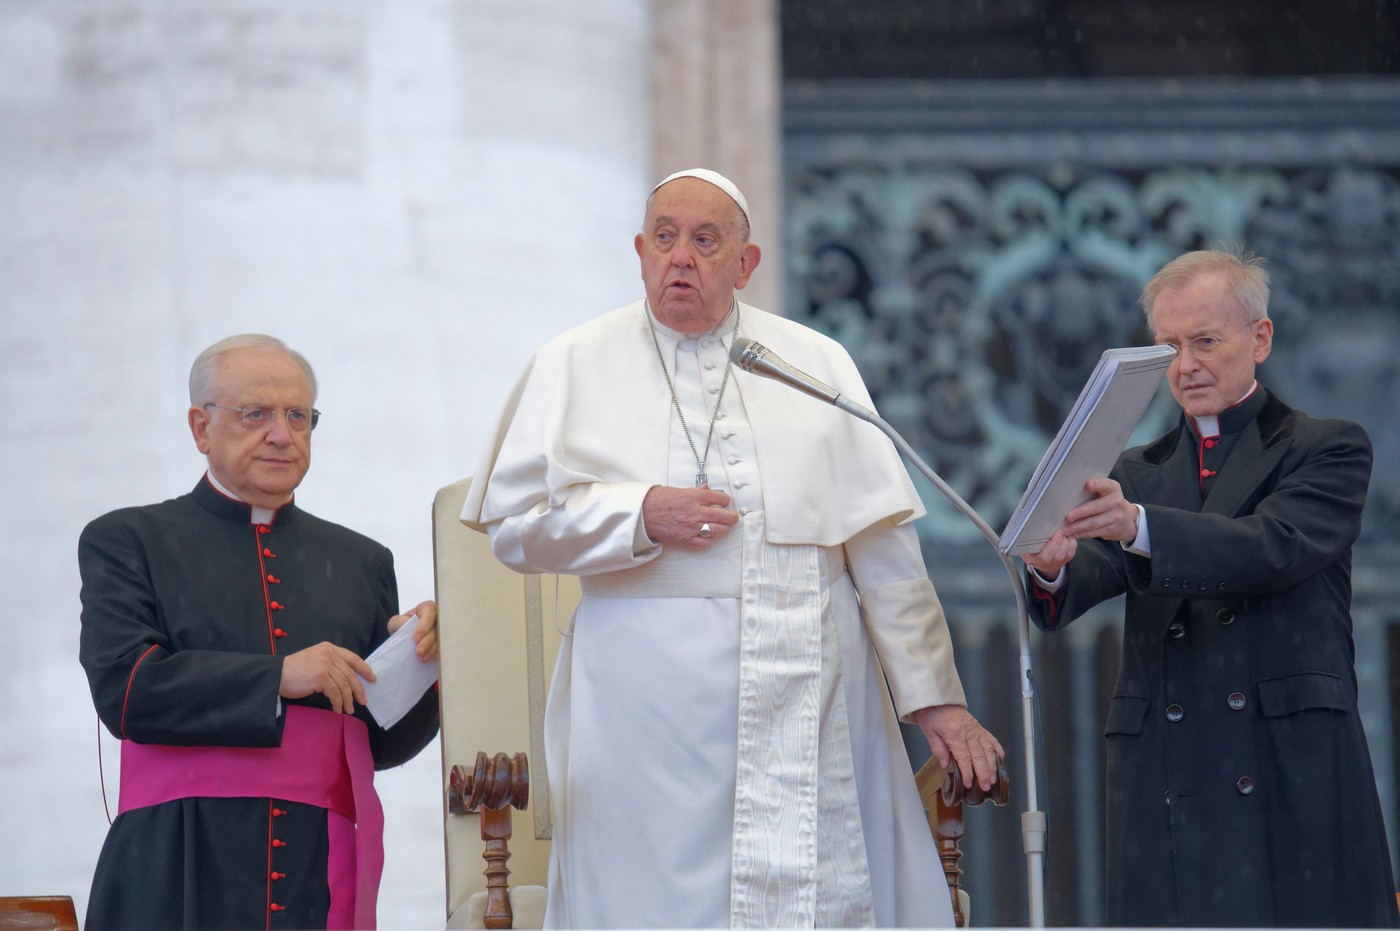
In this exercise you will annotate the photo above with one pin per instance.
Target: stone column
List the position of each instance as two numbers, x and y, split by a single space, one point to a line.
715 104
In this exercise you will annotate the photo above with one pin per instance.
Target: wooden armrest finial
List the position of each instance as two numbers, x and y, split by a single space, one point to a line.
492 787
945 815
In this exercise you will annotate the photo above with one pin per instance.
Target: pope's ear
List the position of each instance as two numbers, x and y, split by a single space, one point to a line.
748 261
199 428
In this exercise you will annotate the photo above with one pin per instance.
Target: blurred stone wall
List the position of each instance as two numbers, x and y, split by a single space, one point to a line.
413 194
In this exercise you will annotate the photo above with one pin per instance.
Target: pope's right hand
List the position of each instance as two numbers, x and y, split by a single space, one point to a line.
679 515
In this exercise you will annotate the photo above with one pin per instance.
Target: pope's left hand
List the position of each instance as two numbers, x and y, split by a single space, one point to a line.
955 736
425 635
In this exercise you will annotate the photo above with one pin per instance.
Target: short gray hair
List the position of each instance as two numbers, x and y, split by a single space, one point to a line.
205 370
1246 274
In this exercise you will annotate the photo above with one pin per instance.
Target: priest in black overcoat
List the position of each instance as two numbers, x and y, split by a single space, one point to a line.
223 636
1239 788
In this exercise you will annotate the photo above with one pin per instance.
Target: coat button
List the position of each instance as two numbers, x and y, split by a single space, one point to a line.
278 842
1225 616
279 632
1177 630
1236 701
1175 713
1203 586
269 554
1245 785
1185 585
1166 583
276 875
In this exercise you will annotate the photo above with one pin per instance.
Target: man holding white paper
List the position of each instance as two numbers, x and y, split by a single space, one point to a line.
222 636
1239 783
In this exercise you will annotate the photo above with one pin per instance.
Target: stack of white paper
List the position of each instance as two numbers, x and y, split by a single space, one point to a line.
1089 441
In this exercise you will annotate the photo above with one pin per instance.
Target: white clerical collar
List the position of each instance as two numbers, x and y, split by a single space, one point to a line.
723 328
256 514
1209 426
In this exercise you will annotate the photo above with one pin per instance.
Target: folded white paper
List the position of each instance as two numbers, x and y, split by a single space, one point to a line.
401 677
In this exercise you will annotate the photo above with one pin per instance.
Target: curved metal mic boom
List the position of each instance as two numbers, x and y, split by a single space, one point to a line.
752 356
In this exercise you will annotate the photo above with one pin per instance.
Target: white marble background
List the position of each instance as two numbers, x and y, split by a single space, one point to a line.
413 193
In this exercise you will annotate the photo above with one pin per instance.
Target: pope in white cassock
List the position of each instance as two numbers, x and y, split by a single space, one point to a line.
722 750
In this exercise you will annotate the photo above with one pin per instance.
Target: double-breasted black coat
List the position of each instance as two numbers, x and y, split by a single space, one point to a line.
1239 788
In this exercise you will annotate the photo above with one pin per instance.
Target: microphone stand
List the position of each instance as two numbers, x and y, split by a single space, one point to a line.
754 357
1033 822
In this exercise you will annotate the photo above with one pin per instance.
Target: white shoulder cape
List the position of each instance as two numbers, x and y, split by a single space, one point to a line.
592 407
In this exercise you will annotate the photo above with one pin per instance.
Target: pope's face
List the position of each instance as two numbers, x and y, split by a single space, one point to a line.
1217 349
693 254
260 465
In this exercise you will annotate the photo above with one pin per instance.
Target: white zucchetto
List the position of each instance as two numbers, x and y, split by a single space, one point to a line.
711 177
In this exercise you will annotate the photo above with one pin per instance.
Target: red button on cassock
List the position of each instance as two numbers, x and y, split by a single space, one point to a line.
279 632
276 842
275 606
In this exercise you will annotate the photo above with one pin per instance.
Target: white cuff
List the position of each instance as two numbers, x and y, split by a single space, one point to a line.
1049 585
1142 544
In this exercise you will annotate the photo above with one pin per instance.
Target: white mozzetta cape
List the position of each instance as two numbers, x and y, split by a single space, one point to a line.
592 405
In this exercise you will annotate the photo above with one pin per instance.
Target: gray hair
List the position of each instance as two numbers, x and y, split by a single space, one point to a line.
1245 273
205 370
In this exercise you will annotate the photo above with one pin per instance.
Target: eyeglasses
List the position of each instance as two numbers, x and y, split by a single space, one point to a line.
1203 347
260 418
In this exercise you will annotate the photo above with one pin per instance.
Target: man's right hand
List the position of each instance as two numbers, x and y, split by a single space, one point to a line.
677 515
1057 551
328 670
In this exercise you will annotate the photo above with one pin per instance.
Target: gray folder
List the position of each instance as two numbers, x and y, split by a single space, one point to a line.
1089 441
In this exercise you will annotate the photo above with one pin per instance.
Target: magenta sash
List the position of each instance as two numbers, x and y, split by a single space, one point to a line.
324 760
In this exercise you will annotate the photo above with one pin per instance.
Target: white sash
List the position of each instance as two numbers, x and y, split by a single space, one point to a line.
799 852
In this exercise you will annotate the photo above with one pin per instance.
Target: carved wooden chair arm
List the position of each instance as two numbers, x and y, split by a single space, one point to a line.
944 796
493 787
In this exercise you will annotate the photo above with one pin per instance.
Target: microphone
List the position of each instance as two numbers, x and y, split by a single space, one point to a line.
752 356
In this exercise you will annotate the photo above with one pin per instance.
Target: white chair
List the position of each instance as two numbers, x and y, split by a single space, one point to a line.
498 642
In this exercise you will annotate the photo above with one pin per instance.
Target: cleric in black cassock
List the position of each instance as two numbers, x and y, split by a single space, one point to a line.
221 635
